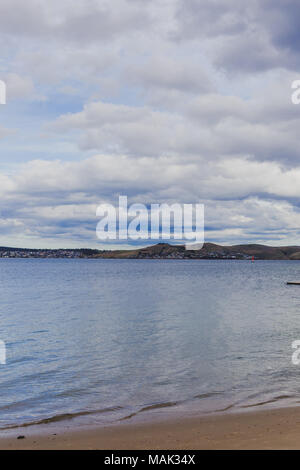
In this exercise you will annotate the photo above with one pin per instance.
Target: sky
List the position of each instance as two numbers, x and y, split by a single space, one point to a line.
185 101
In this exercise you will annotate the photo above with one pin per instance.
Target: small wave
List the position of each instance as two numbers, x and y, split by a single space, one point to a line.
266 402
159 405
151 407
61 417
232 405
206 395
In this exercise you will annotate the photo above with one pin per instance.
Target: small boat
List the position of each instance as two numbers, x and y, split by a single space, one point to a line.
293 283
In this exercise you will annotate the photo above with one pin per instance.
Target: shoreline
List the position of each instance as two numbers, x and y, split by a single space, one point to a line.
264 429
161 250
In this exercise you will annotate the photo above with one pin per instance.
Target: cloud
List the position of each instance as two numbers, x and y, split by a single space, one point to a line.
170 74
261 35
19 87
163 101
78 22
209 125
52 199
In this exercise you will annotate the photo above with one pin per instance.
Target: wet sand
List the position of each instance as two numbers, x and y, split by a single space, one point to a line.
269 429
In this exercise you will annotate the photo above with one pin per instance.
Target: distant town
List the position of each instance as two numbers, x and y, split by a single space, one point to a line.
163 251
27 253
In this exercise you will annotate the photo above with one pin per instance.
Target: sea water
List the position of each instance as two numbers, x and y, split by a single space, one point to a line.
102 341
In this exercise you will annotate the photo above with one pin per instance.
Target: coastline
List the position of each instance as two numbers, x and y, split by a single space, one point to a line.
265 429
165 251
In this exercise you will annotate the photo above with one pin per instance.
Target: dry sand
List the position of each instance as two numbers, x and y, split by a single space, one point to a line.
271 429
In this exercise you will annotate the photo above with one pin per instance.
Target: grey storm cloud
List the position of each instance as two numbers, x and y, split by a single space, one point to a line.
253 36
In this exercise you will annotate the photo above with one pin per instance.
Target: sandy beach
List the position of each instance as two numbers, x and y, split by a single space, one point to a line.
269 429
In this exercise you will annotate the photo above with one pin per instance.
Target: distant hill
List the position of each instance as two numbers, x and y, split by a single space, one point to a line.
209 251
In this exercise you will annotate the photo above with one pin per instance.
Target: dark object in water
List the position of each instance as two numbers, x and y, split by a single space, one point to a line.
21 437
294 283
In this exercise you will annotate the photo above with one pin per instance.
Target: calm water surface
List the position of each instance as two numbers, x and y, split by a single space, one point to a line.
98 341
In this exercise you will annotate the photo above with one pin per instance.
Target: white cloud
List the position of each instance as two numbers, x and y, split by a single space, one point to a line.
63 196
19 87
